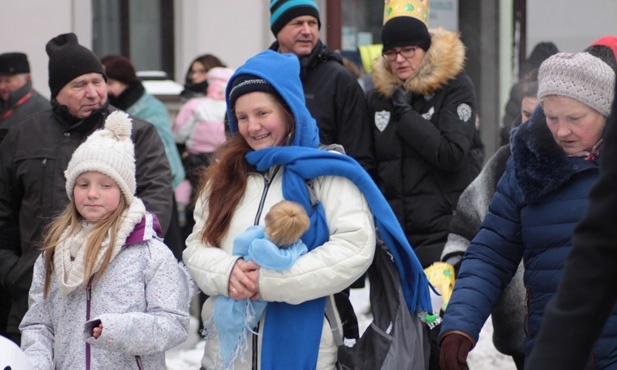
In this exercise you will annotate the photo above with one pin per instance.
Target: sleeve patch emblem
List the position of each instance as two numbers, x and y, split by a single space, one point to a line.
464 112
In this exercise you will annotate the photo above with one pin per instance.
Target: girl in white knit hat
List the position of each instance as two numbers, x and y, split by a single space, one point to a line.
106 292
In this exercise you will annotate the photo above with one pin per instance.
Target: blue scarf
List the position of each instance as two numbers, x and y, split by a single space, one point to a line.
292 333
234 318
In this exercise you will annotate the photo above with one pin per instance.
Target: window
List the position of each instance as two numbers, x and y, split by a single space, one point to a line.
141 30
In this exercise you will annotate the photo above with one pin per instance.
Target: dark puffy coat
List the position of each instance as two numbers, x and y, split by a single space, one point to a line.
337 102
586 297
428 156
33 159
539 200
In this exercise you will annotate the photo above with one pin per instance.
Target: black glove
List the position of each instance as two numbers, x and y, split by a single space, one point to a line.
401 101
454 351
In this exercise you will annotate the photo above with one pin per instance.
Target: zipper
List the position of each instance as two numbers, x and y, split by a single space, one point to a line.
140 366
43 167
255 348
267 182
88 307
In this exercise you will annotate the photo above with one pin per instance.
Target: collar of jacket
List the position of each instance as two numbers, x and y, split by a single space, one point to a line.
72 123
147 229
318 55
443 61
130 96
541 165
16 95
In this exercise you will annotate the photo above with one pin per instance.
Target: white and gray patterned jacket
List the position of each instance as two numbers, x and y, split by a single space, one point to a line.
142 299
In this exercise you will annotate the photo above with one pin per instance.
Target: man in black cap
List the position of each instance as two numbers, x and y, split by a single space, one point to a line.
333 96
37 151
17 97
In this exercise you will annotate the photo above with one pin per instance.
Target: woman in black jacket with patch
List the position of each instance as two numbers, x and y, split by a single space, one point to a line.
423 110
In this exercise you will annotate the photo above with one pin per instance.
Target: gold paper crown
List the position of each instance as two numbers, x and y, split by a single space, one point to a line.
408 8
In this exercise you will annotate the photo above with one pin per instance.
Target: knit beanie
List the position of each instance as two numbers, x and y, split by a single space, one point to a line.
244 84
579 76
109 151
609 41
119 68
14 63
283 11
405 24
68 60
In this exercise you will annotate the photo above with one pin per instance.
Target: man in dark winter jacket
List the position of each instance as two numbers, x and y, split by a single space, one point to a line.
17 97
333 96
586 297
36 153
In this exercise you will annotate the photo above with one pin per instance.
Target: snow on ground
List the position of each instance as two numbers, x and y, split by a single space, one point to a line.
187 356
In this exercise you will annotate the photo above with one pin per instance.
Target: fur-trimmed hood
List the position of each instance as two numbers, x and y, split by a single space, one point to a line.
541 165
444 60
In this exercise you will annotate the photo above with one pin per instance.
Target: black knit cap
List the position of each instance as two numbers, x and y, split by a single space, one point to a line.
405 31
244 84
283 11
14 63
119 68
68 60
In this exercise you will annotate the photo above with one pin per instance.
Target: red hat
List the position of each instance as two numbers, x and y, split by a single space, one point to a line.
610 41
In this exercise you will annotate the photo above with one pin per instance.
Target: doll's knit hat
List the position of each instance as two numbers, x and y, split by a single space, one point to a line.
579 76
109 151
68 60
283 11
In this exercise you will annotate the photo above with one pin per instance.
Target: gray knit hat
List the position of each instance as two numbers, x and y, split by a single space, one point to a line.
579 76
109 151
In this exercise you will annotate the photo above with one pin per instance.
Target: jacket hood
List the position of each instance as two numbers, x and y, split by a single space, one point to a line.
282 71
540 165
443 61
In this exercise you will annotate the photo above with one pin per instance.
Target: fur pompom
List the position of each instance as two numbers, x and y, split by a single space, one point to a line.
119 124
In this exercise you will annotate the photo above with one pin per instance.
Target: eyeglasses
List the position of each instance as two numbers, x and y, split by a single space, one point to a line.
406 53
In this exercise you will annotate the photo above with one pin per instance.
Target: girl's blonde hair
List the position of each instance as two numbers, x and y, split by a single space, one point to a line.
71 220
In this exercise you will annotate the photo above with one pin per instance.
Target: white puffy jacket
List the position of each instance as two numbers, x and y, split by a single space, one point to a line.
326 270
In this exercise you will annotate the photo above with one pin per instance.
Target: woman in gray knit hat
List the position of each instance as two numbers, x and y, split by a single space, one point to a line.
539 199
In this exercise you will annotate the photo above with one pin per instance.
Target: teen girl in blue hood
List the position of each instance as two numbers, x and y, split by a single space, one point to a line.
287 325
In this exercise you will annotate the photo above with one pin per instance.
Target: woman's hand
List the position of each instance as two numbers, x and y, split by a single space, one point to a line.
252 272
242 282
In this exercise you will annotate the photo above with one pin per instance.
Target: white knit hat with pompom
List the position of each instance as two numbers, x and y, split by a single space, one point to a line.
109 151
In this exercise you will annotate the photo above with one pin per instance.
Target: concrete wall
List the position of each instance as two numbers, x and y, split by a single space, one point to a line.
571 24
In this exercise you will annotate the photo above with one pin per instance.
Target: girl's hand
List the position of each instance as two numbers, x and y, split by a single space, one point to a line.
97 331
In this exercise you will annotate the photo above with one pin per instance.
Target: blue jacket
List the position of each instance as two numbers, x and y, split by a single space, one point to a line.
539 200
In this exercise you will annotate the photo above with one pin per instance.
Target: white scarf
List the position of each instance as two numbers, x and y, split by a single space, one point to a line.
69 255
